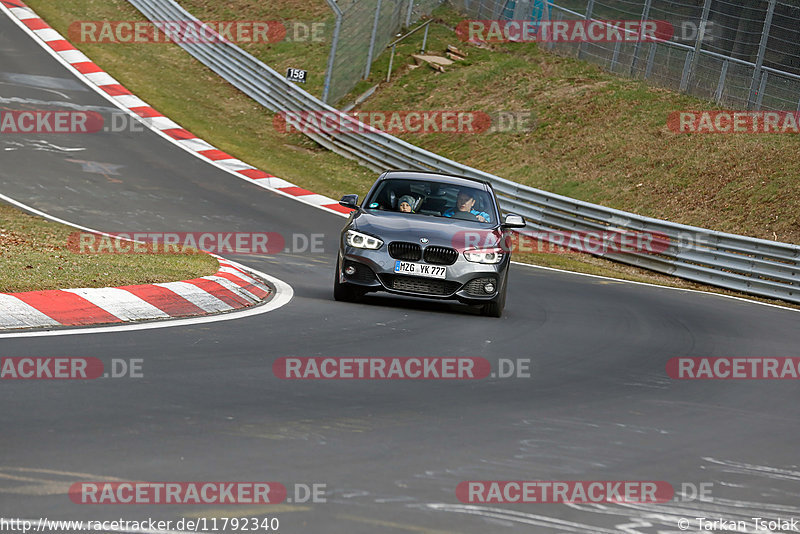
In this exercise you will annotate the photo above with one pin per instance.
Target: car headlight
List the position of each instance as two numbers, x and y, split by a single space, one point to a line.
487 255
359 240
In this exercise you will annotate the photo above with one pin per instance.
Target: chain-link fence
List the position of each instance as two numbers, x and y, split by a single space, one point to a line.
740 53
502 10
363 29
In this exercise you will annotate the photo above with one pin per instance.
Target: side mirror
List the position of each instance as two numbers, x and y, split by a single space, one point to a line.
349 201
512 220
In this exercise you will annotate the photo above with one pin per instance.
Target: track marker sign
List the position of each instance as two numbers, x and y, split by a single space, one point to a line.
296 75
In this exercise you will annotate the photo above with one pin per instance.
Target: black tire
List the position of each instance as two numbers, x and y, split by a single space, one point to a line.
495 307
343 292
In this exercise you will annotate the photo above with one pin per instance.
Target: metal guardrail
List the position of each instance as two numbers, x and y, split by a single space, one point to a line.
755 266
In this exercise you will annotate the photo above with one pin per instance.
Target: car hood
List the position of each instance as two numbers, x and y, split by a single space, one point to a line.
456 233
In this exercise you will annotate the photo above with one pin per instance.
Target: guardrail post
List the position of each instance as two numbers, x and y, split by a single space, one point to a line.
651 59
334 44
391 62
587 17
615 56
721 84
638 44
372 39
546 18
698 45
762 47
687 65
394 43
761 90
408 13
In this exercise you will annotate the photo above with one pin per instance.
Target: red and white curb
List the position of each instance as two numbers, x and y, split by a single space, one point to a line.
230 288
85 68
233 292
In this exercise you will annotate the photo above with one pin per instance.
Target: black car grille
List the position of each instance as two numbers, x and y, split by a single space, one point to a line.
401 250
440 255
435 255
416 284
475 286
362 274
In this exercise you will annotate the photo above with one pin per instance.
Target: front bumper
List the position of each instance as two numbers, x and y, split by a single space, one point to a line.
465 281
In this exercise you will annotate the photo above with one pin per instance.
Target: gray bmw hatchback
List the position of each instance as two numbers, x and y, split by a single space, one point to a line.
426 235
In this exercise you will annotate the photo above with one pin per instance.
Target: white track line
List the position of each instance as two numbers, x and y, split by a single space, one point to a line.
743 299
283 294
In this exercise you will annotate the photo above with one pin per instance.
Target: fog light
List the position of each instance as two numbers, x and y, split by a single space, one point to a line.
489 288
349 270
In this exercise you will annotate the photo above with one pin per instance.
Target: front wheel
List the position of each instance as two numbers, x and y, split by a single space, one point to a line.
343 292
495 307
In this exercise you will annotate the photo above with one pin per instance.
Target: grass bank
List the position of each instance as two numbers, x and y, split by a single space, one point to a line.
34 255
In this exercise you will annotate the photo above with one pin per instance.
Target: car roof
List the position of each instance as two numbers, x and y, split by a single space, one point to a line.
436 177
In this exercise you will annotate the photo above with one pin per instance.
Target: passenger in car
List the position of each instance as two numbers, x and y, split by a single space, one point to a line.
406 204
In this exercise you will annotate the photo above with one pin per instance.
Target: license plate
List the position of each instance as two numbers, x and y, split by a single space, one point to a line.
420 269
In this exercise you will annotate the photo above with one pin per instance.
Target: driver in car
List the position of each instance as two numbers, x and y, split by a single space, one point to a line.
464 203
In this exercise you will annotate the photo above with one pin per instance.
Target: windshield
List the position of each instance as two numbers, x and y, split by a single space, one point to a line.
435 199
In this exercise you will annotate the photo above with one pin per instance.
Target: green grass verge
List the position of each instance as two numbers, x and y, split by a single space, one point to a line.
34 256
599 138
